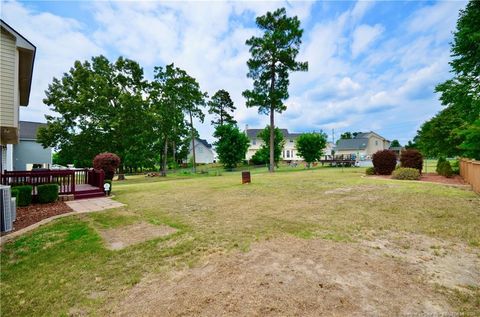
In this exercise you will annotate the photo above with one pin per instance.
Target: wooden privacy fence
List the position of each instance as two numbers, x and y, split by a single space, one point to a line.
470 171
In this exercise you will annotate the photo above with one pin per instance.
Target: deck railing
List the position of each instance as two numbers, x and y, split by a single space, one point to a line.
66 179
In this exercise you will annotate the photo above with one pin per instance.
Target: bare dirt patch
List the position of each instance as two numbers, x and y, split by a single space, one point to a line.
450 264
289 277
122 237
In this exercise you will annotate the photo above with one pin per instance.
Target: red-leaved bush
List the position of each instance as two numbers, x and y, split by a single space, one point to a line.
384 162
412 159
108 162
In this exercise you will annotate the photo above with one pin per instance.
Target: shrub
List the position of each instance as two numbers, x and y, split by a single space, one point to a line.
15 193
406 173
384 162
24 195
455 167
47 193
370 171
411 158
108 162
441 159
445 169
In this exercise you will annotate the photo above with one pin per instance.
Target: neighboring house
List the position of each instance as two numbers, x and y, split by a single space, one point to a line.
289 152
28 154
204 153
363 145
17 56
329 149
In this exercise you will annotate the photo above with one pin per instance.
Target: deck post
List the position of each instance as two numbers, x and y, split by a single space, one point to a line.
73 182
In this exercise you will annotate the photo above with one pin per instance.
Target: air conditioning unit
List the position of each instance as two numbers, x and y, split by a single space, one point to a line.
8 210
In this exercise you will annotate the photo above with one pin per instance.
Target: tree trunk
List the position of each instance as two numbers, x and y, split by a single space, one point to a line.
193 145
174 157
271 168
164 159
272 141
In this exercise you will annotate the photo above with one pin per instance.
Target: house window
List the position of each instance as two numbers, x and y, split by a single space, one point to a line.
376 142
288 153
292 153
254 141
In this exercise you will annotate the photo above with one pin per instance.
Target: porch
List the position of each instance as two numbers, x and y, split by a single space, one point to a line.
81 183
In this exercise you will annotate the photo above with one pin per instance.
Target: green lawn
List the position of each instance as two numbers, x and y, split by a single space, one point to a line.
55 269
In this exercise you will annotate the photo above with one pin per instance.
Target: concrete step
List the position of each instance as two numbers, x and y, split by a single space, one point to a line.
83 195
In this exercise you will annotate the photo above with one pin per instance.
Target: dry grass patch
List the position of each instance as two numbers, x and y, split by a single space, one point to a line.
122 237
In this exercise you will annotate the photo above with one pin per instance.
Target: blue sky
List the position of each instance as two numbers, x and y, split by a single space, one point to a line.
372 65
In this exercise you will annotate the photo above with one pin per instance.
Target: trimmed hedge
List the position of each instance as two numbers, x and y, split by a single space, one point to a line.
406 173
15 193
24 195
370 171
47 193
445 169
411 158
384 162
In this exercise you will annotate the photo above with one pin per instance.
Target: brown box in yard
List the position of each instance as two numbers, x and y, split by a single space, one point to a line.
246 177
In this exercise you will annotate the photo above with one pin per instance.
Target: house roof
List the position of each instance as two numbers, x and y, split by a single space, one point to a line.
253 133
29 130
363 135
352 144
26 54
205 143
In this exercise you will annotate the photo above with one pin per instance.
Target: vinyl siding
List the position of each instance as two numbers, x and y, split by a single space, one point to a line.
7 83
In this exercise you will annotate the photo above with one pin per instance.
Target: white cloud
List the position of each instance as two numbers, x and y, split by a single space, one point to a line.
438 19
363 36
59 41
392 72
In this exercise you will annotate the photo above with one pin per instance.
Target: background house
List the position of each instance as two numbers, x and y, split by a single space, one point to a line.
28 154
17 56
363 145
289 152
204 153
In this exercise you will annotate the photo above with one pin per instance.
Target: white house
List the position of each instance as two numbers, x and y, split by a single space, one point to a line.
363 145
289 152
204 152
17 56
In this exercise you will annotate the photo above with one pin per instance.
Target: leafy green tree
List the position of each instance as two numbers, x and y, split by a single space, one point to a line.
445 133
100 108
165 96
310 146
395 143
273 58
232 145
191 101
346 135
471 143
221 105
262 156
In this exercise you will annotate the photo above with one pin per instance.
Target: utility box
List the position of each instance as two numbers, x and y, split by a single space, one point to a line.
246 177
7 209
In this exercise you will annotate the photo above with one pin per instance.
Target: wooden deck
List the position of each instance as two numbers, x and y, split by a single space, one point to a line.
81 183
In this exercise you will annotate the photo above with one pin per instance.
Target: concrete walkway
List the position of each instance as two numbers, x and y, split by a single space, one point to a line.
79 207
93 204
